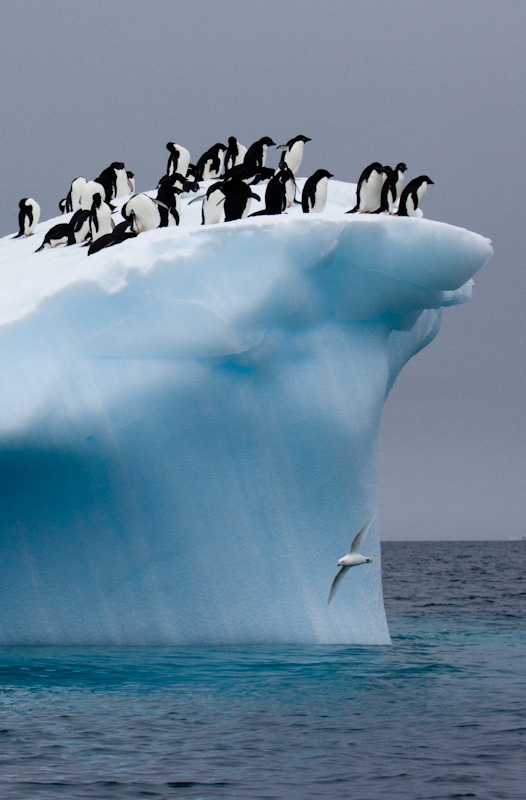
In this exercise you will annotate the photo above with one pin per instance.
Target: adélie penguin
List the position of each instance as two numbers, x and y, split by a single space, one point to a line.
412 195
293 152
275 195
234 154
58 234
28 216
178 160
314 195
238 198
391 188
352 559
257 152
369 189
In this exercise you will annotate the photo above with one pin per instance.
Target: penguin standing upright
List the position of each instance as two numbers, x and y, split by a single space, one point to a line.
399 170
78 185
256 154
275 195
412 195
369 189
210 165
109 179
290 181
391 187
293 152
168 191
238 198
314 195
212 210
100 218
28 216
234 153
178 160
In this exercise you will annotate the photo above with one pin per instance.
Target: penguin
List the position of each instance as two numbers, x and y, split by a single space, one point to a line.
58 234
369 189
121 181
386 190
413 195
62 205
275 195
80 225
89 191
234 153
213 209
113 179
293 151
210 165
290 185
100 220
238 198
391 187
399 170
257 152
314 195
178 160
110 239
131 182
169 189
191 184
249 173
143 212
73 197
28 216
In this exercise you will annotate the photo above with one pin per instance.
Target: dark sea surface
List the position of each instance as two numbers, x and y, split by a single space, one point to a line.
439 714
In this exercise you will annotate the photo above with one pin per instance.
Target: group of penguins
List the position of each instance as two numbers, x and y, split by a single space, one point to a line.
234 169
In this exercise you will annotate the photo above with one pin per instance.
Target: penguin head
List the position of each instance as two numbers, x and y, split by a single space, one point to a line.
300 138
267 140
170 146
401 167
97 200
22 203
425 179
117 165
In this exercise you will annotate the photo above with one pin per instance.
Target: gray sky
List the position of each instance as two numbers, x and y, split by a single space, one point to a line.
438 84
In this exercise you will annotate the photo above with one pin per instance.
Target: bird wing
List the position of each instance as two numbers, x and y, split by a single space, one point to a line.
360 536
336 582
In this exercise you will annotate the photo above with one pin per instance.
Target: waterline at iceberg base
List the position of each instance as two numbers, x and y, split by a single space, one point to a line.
189 424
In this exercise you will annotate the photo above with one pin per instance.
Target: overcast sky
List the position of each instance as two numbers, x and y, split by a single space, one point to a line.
438 84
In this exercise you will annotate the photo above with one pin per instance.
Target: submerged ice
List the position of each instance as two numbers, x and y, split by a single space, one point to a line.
189 423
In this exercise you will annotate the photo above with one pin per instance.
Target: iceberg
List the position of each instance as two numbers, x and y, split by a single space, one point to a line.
189 423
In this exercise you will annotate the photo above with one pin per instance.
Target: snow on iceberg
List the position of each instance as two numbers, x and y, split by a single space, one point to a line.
189 423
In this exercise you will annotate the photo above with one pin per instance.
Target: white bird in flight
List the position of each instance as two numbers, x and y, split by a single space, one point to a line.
352 559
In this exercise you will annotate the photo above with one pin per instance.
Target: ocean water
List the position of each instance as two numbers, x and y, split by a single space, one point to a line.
439 714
